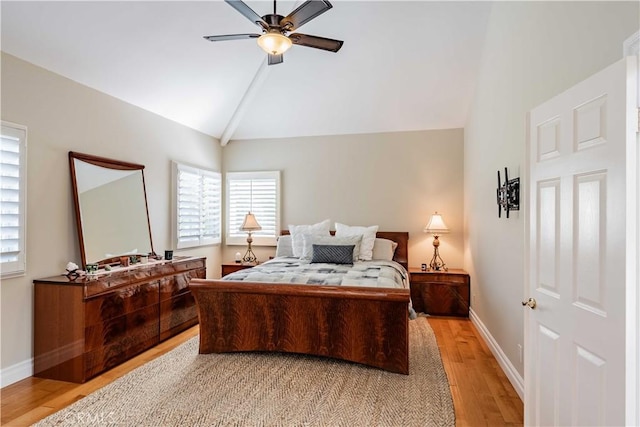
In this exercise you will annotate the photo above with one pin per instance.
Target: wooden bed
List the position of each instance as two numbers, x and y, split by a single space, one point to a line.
357 324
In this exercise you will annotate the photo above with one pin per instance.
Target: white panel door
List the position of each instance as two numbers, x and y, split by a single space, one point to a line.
575 334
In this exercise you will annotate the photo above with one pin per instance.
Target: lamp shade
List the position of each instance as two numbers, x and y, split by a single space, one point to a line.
436 225
274 43
250 223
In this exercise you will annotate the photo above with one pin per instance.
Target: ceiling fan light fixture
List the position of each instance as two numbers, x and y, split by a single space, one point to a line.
274 43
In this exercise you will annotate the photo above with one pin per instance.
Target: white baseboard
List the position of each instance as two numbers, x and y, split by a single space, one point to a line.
510 371
17 372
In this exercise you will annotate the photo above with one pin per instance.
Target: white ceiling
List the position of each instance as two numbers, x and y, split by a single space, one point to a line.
405 65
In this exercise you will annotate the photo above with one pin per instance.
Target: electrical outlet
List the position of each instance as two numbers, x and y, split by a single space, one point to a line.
520 352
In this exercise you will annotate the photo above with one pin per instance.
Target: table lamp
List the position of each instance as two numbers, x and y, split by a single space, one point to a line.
250 224
436 226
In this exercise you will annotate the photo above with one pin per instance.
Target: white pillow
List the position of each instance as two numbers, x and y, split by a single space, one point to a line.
368 238
384 249
319 229
284 248
310 240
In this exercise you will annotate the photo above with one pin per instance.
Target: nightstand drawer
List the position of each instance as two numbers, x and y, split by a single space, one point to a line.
232 268
440 293
438 277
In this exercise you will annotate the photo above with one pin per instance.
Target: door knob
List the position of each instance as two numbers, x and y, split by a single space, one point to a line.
531 303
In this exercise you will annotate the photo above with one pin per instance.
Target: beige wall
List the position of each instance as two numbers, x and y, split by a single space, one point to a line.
533 51
394 180
62 115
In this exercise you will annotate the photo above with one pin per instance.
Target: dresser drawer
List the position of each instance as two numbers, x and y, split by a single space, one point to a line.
138 325
119 302
177 314
108 356
173 286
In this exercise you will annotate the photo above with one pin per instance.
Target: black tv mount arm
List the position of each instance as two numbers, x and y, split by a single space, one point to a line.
508 194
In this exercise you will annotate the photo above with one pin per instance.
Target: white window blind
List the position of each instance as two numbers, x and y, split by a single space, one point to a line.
198 201
258 193
13 148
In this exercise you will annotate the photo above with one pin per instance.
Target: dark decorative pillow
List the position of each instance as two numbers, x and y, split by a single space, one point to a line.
333 254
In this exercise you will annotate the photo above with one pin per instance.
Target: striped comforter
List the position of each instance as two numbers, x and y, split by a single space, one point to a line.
372 274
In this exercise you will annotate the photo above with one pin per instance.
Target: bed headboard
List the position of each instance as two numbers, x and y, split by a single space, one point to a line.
400 237
402 251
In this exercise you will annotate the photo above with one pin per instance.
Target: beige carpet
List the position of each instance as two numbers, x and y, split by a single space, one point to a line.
183 388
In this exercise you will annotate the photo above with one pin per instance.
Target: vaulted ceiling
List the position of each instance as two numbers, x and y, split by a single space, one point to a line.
405 65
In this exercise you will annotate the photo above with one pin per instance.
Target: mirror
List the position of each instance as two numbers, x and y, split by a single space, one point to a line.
111 208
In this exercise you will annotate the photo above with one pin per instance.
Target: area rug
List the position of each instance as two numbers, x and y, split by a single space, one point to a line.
184 388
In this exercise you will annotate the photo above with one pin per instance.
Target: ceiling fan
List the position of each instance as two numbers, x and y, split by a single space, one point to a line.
275 38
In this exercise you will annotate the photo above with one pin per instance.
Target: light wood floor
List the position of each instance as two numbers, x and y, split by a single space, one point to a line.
482 395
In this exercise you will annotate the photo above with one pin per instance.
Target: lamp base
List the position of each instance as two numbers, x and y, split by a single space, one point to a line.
249 257
437 264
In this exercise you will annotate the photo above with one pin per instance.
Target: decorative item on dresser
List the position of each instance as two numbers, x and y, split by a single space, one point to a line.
441 293
89 324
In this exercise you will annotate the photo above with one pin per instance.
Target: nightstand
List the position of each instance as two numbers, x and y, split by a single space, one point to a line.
232 267
442 293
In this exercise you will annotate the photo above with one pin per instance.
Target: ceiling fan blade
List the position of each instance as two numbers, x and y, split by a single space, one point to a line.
231 37
316 42
305 13
275 59
247 12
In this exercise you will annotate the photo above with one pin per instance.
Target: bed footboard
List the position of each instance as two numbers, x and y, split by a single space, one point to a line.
363 325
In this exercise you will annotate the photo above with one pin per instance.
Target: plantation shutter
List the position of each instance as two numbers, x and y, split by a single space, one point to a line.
12 200
198 207
258 193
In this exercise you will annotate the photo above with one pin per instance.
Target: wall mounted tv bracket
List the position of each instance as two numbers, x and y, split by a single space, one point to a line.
508 194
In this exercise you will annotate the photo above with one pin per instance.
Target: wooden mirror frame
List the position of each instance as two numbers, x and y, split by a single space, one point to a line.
110 164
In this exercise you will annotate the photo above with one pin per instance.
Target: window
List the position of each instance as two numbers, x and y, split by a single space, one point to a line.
197 201
258 193
13 193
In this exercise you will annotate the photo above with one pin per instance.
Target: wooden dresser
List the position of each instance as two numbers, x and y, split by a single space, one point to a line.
88 325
